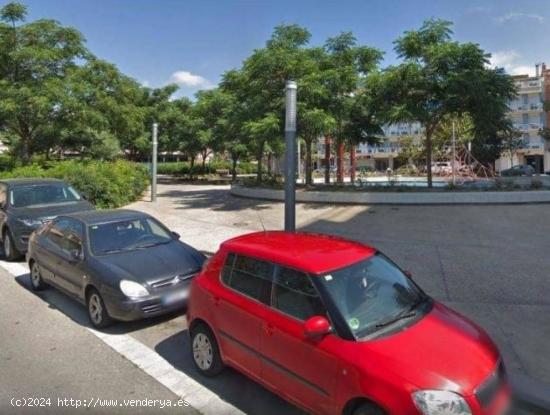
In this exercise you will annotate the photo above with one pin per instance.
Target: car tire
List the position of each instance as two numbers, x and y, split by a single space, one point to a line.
11 253
368 409
97 312
37 283
205 351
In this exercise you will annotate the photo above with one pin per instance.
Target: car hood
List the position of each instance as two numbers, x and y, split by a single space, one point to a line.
444 350
153 264
51 211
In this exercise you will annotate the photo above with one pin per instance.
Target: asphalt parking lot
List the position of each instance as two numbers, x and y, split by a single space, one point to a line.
489 262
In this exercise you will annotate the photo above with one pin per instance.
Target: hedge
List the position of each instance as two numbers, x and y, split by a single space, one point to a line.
183 168
105 184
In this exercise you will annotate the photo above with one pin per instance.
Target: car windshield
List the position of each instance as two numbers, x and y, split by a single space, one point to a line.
372 294
127 235
43 194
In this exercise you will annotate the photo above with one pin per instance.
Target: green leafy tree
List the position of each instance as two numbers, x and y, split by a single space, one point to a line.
35 58
344 68
259 85
439 77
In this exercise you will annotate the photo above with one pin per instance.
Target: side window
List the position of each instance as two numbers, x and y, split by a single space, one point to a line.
56 232
227 268
72 237
294 294
66 234
251 277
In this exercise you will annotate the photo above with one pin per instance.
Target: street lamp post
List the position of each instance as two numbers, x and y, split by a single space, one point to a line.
290 157
154 164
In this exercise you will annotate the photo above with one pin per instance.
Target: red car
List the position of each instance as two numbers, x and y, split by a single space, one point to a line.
335 327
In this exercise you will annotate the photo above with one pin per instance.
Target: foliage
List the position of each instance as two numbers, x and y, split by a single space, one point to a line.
439 78
183 168
106 185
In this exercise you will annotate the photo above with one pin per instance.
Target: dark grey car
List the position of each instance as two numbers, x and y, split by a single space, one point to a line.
26 204
519 170
124 265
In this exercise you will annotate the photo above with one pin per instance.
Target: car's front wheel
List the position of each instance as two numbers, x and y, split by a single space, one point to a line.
368 409
37 283
97 312
11 252
205 350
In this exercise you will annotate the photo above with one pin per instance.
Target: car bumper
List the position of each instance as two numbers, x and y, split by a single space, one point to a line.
129 309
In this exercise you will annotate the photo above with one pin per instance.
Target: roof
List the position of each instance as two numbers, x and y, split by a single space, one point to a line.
312 253
29 181
95 217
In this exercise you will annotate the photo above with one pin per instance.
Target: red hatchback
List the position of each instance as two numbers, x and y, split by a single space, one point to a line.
335 327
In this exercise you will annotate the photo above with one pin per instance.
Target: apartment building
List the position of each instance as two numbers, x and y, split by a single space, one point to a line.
526 112
528 116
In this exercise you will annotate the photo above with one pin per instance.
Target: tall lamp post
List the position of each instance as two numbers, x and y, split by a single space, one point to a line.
154 164
290 157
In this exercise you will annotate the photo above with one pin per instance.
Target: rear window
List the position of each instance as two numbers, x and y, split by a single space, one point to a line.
249 276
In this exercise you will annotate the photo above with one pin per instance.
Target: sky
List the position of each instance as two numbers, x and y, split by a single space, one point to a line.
193 42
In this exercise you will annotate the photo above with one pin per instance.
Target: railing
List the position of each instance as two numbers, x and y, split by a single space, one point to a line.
527 127
530 107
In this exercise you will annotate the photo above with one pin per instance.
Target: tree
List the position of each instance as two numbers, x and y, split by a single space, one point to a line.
344 67
35 58
439 77
511 142
259 84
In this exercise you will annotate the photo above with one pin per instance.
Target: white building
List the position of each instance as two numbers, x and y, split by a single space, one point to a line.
528 116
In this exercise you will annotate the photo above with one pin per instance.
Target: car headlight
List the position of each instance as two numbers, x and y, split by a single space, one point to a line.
434 402
30 222
133 289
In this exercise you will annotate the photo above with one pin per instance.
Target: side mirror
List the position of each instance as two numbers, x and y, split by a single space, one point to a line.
408 274
76 255
176 235
316 327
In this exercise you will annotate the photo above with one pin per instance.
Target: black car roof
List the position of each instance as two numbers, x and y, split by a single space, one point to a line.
95 217
26 181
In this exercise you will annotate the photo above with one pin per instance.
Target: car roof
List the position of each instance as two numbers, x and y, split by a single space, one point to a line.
96 217
309 252
26 181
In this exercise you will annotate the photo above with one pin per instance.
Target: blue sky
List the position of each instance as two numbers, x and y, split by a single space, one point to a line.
193 42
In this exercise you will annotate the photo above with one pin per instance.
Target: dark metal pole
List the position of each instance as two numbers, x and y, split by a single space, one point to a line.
290 157
154 164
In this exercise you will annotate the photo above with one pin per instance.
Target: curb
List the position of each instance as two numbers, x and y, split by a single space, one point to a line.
531 394
398 198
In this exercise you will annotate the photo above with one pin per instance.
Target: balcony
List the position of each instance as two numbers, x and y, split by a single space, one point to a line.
528 127
529 86
526 108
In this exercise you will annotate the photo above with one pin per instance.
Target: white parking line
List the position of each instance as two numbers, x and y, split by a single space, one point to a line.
198 396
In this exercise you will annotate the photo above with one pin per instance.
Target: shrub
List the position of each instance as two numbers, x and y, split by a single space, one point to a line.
183 168
106 185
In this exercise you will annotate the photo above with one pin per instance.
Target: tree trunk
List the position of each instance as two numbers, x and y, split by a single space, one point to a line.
191 166
429 156
353 163
309 175
340 163
327 159
204 157
234 169
269 163
259 157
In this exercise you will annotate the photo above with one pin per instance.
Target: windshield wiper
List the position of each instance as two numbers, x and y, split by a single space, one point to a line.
407 313
151 245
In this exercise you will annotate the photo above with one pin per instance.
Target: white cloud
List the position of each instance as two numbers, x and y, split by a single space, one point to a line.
515 16
512 63
190 80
